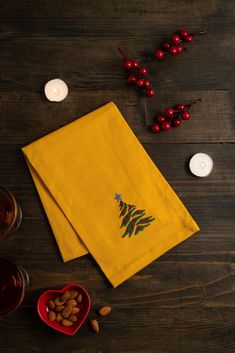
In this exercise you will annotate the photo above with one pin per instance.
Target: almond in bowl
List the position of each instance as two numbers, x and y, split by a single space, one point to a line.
64 310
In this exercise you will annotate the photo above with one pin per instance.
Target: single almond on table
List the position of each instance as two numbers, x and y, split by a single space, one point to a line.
73 294
105 310
73 318
59 317
58 301
95 325
79 298
67 311
66 296
59 308
51 305
71 302
67 323
75 310
52 315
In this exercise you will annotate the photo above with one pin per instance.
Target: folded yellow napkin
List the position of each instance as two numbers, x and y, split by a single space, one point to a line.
103 195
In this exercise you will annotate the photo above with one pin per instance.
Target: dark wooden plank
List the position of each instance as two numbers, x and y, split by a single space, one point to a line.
171 160
25 64
165 330
26 117
119 19
173 285
214 242
214 112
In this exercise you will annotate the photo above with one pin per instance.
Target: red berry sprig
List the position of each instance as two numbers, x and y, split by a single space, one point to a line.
176 45
137 74
172 117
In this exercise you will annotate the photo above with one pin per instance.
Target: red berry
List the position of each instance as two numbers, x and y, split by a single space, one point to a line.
147 83
166 126
140 82
159 54
166 45
185 115
155 128
176 122
173 50
180 106
131 79
161 119
150 92
135 64
184 33
180 49
188 38
169 113
176 39
143 71
127 64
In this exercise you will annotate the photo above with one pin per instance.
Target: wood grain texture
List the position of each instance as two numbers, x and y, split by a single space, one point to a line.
26 117
42 58
185 301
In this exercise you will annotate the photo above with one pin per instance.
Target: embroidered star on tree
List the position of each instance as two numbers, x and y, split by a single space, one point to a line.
118 197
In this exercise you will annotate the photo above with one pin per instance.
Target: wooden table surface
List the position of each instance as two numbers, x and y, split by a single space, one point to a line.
184 301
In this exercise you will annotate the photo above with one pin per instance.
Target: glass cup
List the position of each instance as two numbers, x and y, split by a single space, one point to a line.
13 281
10 213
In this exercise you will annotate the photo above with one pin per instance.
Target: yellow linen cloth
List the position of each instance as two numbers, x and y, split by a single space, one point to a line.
104 195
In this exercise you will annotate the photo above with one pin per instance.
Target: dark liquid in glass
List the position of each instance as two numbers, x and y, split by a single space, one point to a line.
12 286
10 213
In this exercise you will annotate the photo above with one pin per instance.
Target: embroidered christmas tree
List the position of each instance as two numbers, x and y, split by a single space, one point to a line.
133 219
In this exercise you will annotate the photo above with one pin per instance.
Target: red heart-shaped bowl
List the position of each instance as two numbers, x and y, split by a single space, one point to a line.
51 295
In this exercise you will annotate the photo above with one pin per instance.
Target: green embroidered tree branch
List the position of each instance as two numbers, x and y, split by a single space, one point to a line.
132 218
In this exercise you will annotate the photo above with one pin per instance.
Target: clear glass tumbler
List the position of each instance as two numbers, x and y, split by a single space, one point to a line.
10 213
13 282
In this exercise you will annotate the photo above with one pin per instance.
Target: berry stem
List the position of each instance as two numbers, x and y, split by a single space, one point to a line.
188 106
121 51
199 33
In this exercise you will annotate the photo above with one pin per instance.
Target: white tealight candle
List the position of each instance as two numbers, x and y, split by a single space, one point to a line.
201 164
56 90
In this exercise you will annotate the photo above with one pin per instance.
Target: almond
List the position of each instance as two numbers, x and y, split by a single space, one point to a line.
59 308
73 294
75 310
67 311
79 298
51 304
58 301
52 315
71 302
65 296
59 317
73 318
67 323
95 325
105 310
